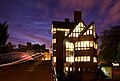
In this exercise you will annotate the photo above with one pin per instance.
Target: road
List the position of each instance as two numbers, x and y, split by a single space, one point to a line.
32 70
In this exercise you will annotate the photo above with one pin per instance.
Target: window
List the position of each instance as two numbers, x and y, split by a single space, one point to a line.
54 59
91 27
90 32
91 43
95 46
94 59
70 68
70 59
83 45
78 69
82 59
86 58
69 52
53 40
78 59
66 68
77 30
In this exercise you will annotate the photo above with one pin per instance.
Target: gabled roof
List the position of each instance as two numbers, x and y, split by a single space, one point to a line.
83 31
75 26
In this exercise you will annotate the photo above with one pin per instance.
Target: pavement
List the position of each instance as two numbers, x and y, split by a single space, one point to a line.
32 70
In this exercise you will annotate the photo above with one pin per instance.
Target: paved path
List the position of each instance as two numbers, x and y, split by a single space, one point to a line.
33 70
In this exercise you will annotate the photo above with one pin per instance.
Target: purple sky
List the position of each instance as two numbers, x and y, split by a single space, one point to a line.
30 20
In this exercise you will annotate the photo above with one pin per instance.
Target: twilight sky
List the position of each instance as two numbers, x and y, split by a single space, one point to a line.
30 20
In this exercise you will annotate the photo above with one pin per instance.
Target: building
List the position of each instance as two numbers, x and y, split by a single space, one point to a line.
75 47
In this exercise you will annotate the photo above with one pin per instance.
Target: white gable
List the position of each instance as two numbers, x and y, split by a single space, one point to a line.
77 30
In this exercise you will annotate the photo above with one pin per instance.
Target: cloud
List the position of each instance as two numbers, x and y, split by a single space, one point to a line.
31 19
109 13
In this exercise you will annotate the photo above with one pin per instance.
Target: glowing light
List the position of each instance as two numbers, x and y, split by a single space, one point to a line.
69 46
70 68
94 59
54 59
82 59
66 68
77 30
115 64
53 41
70 59
95 45
107 71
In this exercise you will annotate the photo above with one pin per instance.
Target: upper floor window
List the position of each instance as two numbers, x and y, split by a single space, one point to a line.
77 30
82 59
53 41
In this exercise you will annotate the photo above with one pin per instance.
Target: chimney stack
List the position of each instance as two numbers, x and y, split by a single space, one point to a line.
77 16
66 19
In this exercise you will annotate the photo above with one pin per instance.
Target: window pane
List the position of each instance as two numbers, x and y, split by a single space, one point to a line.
90 32
95 59
70 68
82 59
66 68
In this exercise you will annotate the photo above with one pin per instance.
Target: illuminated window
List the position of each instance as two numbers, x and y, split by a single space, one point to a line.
70 68
74 35
69 52
54 59
91 27
77 34
91 43
82 59
66 68
75 59
90 32
70 59
86 43
77 30
78 58
87 32
53 40
78 69
86 58
69 46
67 59
81 24
95 46
94 59
54 29
82 44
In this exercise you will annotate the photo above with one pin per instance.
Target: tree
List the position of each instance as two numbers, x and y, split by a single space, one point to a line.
118 55
110 39
3 35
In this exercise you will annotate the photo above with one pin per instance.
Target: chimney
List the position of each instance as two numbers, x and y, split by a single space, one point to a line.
66 19
77 16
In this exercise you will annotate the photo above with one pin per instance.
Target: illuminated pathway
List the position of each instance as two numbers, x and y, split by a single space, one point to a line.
33 70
